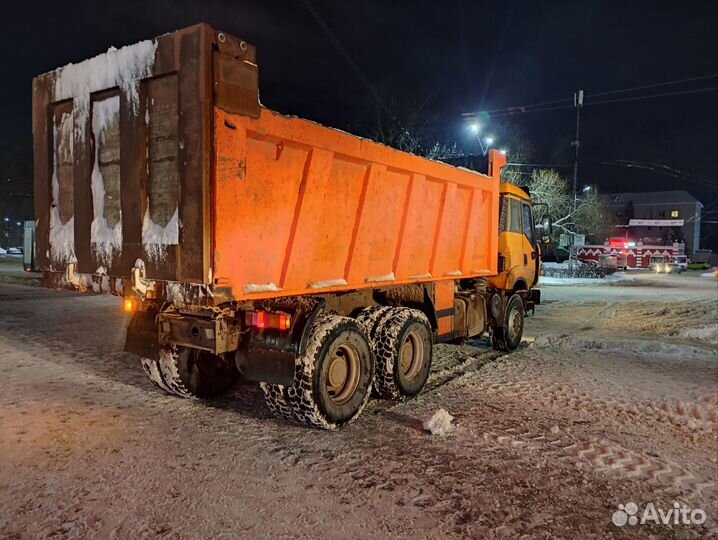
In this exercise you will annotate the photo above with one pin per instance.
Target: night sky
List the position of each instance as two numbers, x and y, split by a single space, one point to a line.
447 57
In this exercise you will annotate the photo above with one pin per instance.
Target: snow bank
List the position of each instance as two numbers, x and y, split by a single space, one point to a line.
613 278
640 347
440 423
708 274
702 333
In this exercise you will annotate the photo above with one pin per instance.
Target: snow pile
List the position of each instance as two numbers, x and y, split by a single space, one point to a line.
107 241
613 278
440 423
640 347
62 235
156 238
703 333
121 68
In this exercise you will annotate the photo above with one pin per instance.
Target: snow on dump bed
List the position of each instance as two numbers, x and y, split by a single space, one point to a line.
156 238
62 235
123 68
117 68
107 240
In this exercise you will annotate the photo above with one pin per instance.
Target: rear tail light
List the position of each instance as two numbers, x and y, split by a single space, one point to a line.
266 319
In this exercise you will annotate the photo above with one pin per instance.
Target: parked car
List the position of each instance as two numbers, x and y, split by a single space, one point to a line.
660 264
14 251
680 263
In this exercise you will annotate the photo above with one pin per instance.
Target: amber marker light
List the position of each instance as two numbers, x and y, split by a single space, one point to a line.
129 305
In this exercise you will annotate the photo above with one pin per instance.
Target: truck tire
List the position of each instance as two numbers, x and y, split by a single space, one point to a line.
508 337
371 318
333 377
190 372
275 396
403 353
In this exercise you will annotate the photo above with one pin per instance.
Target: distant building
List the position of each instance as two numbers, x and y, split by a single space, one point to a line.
657 217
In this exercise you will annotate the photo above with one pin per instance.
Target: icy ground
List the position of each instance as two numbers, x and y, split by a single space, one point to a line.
608 401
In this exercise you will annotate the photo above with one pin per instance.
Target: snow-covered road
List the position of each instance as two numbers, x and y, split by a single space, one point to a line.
609 401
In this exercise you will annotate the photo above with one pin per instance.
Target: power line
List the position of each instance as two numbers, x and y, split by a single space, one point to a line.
662 169
520 109
640 98
655 85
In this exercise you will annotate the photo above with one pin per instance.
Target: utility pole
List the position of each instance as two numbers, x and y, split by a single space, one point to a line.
578 103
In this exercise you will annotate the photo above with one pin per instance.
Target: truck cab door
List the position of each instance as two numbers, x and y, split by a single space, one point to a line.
529 247
518 241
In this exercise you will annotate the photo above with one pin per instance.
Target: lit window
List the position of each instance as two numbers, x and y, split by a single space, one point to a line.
674 213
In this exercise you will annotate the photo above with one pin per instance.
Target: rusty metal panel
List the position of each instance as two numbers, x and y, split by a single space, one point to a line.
126 136
103 192
194 180
236 84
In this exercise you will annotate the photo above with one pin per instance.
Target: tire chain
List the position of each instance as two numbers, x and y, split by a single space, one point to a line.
385 327
297 402
163 372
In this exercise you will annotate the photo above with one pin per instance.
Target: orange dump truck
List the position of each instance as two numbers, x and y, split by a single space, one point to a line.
250 244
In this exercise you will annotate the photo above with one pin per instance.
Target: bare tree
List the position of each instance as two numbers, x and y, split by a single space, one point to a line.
549 187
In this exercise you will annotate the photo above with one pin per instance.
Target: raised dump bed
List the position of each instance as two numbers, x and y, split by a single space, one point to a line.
230 228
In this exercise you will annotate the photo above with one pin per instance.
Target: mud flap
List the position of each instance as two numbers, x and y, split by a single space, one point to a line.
266 365
142 336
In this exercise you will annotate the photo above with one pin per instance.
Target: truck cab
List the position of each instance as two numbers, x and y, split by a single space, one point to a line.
519 251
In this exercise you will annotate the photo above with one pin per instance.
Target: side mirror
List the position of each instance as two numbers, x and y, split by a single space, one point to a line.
546 227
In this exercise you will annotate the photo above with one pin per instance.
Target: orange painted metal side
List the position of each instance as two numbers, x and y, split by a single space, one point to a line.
300 208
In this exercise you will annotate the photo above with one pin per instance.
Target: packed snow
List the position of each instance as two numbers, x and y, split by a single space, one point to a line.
440 423
551 437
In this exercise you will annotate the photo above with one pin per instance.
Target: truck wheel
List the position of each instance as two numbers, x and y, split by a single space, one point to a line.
508 337
275 396
403 351
333 377
371 318
190 372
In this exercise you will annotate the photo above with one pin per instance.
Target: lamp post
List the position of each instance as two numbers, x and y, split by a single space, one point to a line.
485 144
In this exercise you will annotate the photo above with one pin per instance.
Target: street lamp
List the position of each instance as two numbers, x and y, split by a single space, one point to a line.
503 151
475 129
586 189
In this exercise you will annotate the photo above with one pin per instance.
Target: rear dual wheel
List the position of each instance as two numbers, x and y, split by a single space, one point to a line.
401 340
333 378
190 372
